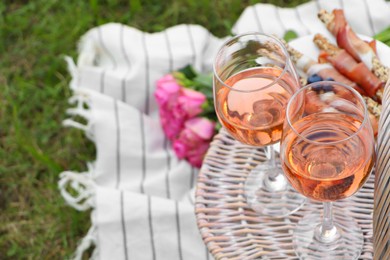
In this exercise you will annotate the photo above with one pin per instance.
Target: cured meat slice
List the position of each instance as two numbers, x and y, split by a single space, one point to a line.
347 39
349 67
324 69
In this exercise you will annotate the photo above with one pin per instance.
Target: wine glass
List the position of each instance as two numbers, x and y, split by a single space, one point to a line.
253 80
327 152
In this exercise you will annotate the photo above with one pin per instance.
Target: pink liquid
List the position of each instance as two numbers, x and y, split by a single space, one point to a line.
331 171
252 110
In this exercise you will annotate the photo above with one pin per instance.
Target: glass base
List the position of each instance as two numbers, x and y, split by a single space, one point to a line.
268 192
346 242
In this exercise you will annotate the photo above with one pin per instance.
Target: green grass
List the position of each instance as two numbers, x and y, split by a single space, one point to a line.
35 223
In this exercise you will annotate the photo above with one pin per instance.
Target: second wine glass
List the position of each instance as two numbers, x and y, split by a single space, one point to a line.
328 152
253 81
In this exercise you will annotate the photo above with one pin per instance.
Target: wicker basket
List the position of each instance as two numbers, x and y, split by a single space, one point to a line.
381 217
231 230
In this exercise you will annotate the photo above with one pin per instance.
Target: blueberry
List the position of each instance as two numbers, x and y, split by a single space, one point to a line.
313 78
317 88
327 88
329 79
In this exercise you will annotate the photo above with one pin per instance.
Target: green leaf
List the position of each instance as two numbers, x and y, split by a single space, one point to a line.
188 71
290 35
383 36
204 80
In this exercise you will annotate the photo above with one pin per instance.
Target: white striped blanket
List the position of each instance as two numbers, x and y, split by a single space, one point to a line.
141 195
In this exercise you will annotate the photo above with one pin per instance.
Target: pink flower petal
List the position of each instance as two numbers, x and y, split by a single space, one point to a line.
180 149
166 78
191 101
203 127
194 95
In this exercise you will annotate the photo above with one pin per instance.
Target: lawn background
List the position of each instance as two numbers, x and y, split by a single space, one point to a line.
35 223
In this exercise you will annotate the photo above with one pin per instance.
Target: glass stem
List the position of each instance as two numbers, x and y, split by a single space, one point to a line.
327 231
270 153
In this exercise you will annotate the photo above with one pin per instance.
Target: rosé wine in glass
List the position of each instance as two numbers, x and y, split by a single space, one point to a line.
327 152
329 172
254 117
253 81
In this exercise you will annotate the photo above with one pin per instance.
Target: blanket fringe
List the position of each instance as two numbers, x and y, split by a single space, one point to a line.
78 188
87 242
81 103
73 70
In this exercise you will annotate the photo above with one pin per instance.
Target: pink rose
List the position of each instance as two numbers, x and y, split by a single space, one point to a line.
180 149
167 90
196 156
194 140
179 108
177 104
191 101
171 123
202 126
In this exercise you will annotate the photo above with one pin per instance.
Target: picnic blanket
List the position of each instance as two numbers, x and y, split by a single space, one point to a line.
140 193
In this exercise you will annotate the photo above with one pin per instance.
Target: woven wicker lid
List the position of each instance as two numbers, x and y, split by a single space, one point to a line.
231 230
